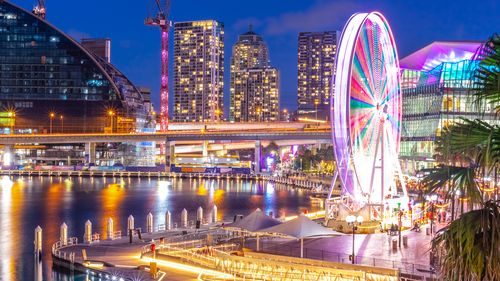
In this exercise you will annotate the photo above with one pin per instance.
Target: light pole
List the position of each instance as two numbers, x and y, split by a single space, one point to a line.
62 123
354 222
431 200
51 116
400 215
316 103
217 115
12 121
285 113
111 113
258 114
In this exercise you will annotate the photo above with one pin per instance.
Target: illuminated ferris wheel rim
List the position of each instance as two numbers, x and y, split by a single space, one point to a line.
345 56
342 131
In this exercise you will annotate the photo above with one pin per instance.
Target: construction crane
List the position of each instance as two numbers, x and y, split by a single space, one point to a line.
39 9
161 20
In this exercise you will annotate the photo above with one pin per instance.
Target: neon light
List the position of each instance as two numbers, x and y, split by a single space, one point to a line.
366 115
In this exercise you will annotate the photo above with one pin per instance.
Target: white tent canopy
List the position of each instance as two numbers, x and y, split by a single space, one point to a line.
301 227
255 221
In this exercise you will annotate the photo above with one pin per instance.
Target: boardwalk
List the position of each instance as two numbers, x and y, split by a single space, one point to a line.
122 258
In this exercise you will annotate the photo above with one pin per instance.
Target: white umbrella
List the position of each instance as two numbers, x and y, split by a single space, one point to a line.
300 228
255 221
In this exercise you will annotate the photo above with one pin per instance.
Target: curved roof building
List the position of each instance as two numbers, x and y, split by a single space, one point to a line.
50 82
437 85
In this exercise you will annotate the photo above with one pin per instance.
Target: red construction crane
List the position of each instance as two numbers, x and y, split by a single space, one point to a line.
163 22
39 10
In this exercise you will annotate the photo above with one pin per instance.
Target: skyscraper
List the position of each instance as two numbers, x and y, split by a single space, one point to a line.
254 83
316 56
198 71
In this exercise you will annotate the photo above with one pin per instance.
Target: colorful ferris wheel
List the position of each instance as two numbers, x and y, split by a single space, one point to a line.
366 116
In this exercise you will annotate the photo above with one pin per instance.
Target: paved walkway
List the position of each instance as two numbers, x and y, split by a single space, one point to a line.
370 249
126 257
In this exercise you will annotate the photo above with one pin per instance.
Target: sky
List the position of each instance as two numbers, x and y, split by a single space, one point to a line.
136 48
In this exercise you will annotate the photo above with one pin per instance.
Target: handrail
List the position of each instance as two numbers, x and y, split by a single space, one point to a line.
64 255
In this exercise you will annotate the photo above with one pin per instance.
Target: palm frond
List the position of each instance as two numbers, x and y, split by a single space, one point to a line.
454 180
470 141
487 74
469 248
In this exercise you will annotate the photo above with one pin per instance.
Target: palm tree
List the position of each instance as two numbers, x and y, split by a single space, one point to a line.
469 248
488 74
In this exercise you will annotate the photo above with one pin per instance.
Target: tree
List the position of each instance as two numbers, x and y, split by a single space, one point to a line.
469 248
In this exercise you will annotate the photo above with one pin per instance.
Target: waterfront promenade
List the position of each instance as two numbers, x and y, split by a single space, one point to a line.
216 253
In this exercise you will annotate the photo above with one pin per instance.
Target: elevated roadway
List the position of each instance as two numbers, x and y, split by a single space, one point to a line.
188 135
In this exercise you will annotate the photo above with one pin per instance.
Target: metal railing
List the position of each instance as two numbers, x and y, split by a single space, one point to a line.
56 252
324 255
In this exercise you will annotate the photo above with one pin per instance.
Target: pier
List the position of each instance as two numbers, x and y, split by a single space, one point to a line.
207 250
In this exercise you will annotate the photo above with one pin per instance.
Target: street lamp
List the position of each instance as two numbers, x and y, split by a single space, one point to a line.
285 113
12 120
217 115
51 116
111 113
354 222
62 123
316 103
258 113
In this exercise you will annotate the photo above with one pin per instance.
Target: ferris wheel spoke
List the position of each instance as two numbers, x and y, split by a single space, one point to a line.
368 89
361 80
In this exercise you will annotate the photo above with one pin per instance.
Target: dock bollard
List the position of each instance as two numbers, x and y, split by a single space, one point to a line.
149 223
110 229
87 237
38 241
199 214
64 234
214 213
184 218
209 218
168 220
130 223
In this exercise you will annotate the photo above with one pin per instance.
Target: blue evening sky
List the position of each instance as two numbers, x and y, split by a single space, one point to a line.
136 48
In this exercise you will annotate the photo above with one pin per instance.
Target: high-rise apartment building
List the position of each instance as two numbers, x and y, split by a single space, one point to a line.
198 71
254 83
316 60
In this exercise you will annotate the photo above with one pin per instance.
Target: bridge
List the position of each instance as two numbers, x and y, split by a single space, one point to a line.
192 135
234 136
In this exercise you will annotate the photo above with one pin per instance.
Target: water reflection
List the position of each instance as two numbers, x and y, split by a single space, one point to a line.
48 202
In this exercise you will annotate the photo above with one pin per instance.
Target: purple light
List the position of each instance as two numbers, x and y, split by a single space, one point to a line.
438 52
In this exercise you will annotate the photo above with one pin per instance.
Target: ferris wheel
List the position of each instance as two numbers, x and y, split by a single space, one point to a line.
366 115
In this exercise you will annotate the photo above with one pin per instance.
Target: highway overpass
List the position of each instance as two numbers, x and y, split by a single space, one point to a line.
193 135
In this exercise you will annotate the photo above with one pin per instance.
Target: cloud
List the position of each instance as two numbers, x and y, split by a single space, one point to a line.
321 16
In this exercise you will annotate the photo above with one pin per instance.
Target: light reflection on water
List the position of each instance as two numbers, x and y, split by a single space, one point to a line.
26 202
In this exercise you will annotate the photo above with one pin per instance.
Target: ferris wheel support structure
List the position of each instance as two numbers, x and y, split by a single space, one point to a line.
366 116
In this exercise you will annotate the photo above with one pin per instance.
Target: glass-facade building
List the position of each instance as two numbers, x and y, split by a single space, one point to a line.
53 84
437 91
49 83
